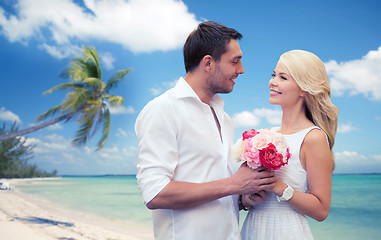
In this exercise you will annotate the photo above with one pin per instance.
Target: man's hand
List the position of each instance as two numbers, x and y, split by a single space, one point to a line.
181 195
250 181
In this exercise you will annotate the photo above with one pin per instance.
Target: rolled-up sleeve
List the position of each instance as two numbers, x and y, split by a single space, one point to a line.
156 129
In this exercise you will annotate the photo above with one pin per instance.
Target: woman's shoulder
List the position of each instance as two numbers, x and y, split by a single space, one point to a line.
315 137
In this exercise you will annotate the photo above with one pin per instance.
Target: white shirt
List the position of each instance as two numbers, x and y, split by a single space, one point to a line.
179 140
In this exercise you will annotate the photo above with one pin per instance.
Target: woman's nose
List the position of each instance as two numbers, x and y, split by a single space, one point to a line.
273 81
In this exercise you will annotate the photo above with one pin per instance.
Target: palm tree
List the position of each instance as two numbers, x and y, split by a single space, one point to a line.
89 100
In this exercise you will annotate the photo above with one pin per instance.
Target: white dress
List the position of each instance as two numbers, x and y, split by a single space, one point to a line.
275 220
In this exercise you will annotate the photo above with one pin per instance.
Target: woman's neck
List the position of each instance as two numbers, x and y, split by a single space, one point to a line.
293 120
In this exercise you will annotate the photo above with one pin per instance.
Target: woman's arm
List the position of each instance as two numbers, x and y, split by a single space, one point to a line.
315 157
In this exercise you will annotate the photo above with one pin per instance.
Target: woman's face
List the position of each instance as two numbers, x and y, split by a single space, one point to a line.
284 90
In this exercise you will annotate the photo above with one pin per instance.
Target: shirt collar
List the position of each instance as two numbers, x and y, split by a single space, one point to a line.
184 90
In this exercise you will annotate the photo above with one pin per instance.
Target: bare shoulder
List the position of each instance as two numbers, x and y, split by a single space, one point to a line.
315 150
315 137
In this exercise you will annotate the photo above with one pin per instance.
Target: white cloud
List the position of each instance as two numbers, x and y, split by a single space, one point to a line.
164 87
137 25
121 133
253 118
58 153
108 60
348 155
345 128
272 116
354 162
56 126
122 110
6 115
62 51
361 76
156 91
246 119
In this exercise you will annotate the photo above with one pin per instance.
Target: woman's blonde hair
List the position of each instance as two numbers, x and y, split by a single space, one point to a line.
311 76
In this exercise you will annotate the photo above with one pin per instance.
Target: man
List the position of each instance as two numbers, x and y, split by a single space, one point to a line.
184 169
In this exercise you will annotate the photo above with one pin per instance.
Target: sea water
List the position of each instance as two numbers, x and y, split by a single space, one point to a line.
355 209
112 197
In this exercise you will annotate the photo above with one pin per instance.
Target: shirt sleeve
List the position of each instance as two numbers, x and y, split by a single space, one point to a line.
156 129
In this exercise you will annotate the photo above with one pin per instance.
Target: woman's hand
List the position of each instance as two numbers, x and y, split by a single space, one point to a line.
278 188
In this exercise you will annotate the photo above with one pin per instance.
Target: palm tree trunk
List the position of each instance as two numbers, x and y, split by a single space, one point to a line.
10 135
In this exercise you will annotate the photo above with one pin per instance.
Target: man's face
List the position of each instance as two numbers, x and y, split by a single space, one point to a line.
226 70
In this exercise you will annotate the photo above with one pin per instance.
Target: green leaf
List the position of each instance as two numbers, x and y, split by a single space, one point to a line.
105 129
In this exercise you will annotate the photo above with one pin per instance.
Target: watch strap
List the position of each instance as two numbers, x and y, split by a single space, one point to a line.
286 195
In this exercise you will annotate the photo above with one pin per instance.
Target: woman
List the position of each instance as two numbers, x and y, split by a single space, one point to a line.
300 86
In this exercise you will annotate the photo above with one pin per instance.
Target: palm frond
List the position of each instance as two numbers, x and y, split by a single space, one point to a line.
84 66
106 126
96 84
87 129
64 86
92 81
82 133
91 110
91 57
114 101
76 70
75 100
113 82
98 118
89 97
49 113
92 102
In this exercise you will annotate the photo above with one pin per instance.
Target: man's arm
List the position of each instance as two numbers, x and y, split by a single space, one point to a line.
156 129
180 195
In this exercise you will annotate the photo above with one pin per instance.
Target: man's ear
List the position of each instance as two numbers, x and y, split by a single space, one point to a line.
207 62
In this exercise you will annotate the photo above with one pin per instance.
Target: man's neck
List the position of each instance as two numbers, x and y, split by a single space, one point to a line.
197 84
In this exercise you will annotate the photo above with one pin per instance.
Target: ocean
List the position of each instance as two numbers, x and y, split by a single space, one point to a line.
355 209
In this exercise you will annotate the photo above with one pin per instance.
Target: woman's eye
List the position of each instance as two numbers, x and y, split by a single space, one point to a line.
273 75
284 78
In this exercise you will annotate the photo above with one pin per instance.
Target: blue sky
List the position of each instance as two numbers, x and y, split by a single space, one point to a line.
38 38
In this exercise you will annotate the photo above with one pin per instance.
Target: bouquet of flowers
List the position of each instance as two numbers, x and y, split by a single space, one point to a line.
262 148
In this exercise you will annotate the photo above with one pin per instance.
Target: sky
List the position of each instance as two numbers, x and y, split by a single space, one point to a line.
39 38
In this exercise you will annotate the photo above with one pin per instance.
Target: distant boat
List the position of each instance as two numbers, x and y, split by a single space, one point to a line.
4 186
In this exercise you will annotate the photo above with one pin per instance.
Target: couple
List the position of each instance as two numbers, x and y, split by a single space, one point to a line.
185 171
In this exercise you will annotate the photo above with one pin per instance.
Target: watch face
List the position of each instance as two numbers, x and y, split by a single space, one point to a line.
288 193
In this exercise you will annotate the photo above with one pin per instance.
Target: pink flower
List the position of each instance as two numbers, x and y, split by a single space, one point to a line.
250 154
249 134
270 158
262 148
262 140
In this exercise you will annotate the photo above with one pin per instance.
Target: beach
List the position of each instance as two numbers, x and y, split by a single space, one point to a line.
24 217
111 207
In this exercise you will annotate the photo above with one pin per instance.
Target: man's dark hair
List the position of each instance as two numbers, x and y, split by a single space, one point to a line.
210 38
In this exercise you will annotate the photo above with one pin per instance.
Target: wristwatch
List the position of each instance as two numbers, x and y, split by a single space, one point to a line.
287 194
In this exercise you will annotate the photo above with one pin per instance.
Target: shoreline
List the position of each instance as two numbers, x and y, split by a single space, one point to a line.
25 216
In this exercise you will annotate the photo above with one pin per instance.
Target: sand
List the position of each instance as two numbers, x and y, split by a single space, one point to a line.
24 217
